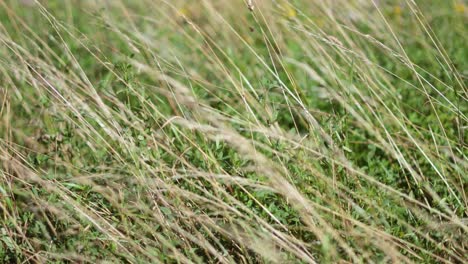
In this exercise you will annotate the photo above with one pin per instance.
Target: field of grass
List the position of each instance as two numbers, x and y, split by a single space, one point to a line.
233 131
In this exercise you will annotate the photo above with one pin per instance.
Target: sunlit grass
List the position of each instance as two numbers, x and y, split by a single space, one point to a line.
233 131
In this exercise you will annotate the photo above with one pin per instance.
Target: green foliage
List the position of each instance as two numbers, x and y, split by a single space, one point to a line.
296 135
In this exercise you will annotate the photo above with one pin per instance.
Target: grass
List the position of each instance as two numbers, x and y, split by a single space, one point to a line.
233 131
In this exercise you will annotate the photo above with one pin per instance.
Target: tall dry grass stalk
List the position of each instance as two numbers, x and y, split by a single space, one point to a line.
146 129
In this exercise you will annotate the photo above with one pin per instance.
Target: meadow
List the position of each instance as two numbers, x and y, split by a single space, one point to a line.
233 131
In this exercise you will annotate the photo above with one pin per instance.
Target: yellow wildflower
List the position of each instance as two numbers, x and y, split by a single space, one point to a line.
460 8
397 10
288 11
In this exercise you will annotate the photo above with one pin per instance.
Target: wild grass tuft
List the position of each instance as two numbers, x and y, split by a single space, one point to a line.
233 131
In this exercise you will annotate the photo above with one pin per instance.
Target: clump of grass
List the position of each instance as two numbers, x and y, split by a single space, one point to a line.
233 131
